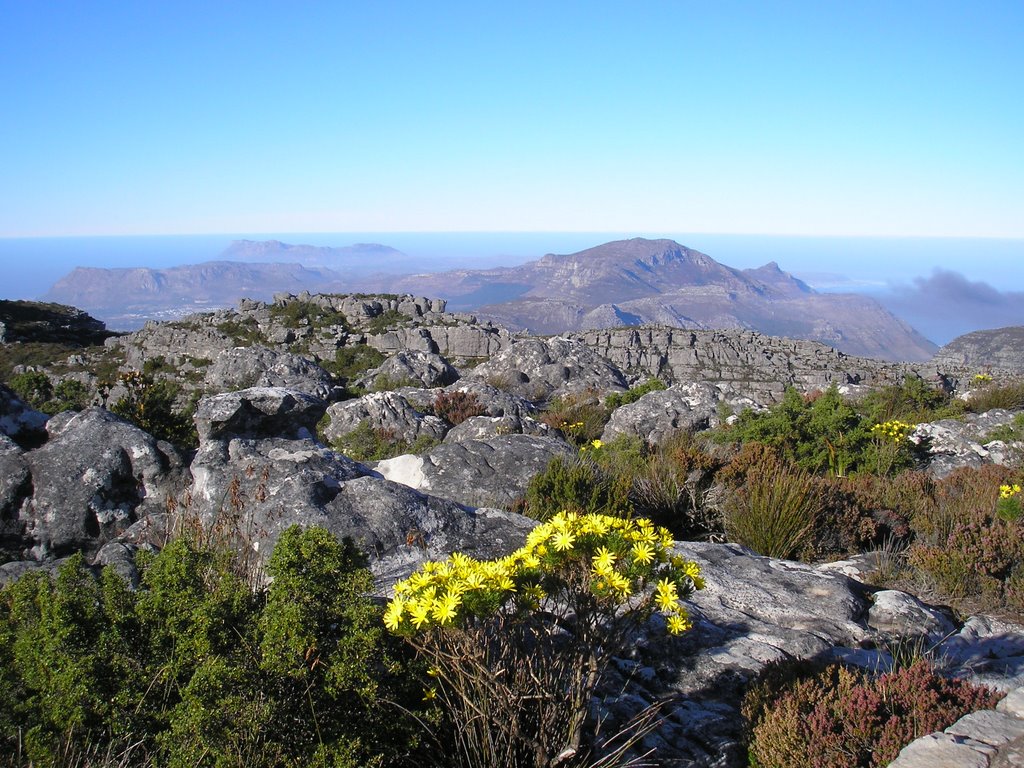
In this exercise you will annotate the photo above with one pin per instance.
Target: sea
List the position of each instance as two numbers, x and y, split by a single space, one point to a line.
879 266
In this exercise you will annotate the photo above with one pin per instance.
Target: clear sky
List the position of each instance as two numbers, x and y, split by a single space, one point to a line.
817 118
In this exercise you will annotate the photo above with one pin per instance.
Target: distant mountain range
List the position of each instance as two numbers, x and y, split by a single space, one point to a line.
627 282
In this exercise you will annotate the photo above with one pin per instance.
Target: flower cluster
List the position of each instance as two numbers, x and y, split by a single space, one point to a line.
1009 491
605 560
982 378
592 445
894 431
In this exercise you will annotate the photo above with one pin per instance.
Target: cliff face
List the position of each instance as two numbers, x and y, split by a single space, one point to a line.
998 349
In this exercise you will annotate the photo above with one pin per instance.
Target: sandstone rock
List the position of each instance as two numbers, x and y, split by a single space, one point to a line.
258 412
940 750
95 476
284 482
657 415
950 444
989 727
484 427
257 366
424 368
15 487
19 422
900 616
492 472
539 369
387 411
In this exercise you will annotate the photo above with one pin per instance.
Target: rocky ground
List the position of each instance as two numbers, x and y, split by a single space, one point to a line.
267 408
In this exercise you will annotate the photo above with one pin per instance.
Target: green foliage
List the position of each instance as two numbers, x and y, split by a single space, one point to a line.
151 406
244 332
1009 396
351 362
845 718
36 390
303 314
197 669
517 646
385 321
32 354
578 484
368 443
616 399
913 401
774 510
1008 433
580 417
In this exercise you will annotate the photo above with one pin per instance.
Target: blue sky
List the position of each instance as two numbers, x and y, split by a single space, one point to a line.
818 118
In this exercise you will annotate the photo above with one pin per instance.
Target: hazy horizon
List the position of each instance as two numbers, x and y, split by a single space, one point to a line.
940 286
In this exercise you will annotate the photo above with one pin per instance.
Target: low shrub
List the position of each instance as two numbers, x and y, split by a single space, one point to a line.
368 443
843 718
517 646
299 314
386 320
152 406
36 390
578 484
616 399
1009 396
581 417
196 668
455 407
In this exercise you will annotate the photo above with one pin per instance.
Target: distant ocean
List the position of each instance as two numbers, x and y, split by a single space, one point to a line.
900 272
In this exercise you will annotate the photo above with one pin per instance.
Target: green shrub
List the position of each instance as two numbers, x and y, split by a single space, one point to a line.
195 668
844 718
616 399
152 406
1008 433
385 321
36 390
578 484
350 362
1009 396
912 401
368 443
244 332
774 510
581 417
301 314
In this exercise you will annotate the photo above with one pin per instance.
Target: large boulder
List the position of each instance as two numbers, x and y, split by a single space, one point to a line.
258 412
412 367
490 472
950 444
657 415
388 412
18 421
261 487
15 487
94 477
257 366
484 427
539 369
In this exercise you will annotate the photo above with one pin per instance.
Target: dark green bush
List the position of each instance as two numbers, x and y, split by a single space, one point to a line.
386 320
351 362
298 314
195 668
36 390
581 417
580 485
151 405
617 399
367 443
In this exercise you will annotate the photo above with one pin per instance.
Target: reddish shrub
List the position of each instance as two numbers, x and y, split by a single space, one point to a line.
455 407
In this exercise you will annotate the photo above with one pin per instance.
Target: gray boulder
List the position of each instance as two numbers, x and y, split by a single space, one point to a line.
257 366
950 444
484 427
386 411
93 478
490 472
258 412
23 424
425 369
15 487
539 369
261 487
657 415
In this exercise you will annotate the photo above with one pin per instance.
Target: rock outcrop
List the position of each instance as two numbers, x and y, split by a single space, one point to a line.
951 444
410 368
386 412
996 350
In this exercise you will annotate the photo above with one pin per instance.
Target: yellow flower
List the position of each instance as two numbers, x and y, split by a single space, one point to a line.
604 560
429 694
563 541
393 615
420 613
445 609
666 595
1008 491
678 623
596 444
643 553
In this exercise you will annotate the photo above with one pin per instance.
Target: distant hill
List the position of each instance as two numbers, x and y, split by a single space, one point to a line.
359 258
631 282
998 349
126 298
